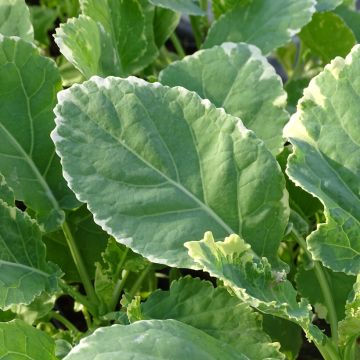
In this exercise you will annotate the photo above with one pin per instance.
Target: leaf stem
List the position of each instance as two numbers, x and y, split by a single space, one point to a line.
71 327
79 264
177 45
325 288
118 289
139 281
194 21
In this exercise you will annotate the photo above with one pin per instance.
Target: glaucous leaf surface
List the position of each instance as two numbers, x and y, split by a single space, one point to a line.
188 7
24 271
174 341
214 311
152 190
340 286
111 37
328 36
252 279
6 193
327 5
326 160
266 24
15 19
20 341
239 79
28 86
89 238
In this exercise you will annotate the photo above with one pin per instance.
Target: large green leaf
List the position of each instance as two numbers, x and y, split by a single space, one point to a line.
327 5
89 237
328 36
150 340
326 162
188 7
351 18
111 37
19 341
158 166
214 311
15 19
239 79
24 272
252 279
266 24
28 87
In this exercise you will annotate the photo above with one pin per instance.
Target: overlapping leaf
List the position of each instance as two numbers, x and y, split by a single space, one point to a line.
152 190
110 37
327 5
174 340
326 160
239 79
328 36
214 311
21 341
188 7
6 192
24 272
28 87
266 24
15 19
252 279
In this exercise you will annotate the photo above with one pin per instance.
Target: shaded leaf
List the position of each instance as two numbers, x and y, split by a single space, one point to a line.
15 19
28 87
89 237
24 272
214 311
324 133
351 18
152 190
326 5
340 286
21 341
239 79
266 24
328 36
43 19
165 23
174 340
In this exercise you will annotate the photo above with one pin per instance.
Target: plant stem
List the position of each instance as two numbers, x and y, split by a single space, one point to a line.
139 281
328 351
324 285
177 45
65 321
79 264
194 21
118 289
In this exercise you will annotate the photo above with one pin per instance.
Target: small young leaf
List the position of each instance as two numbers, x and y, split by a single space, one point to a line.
24 272
152 190
110 37
21 341
251 278
174 340
239 79
15 19
326 162
266 24
214 311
